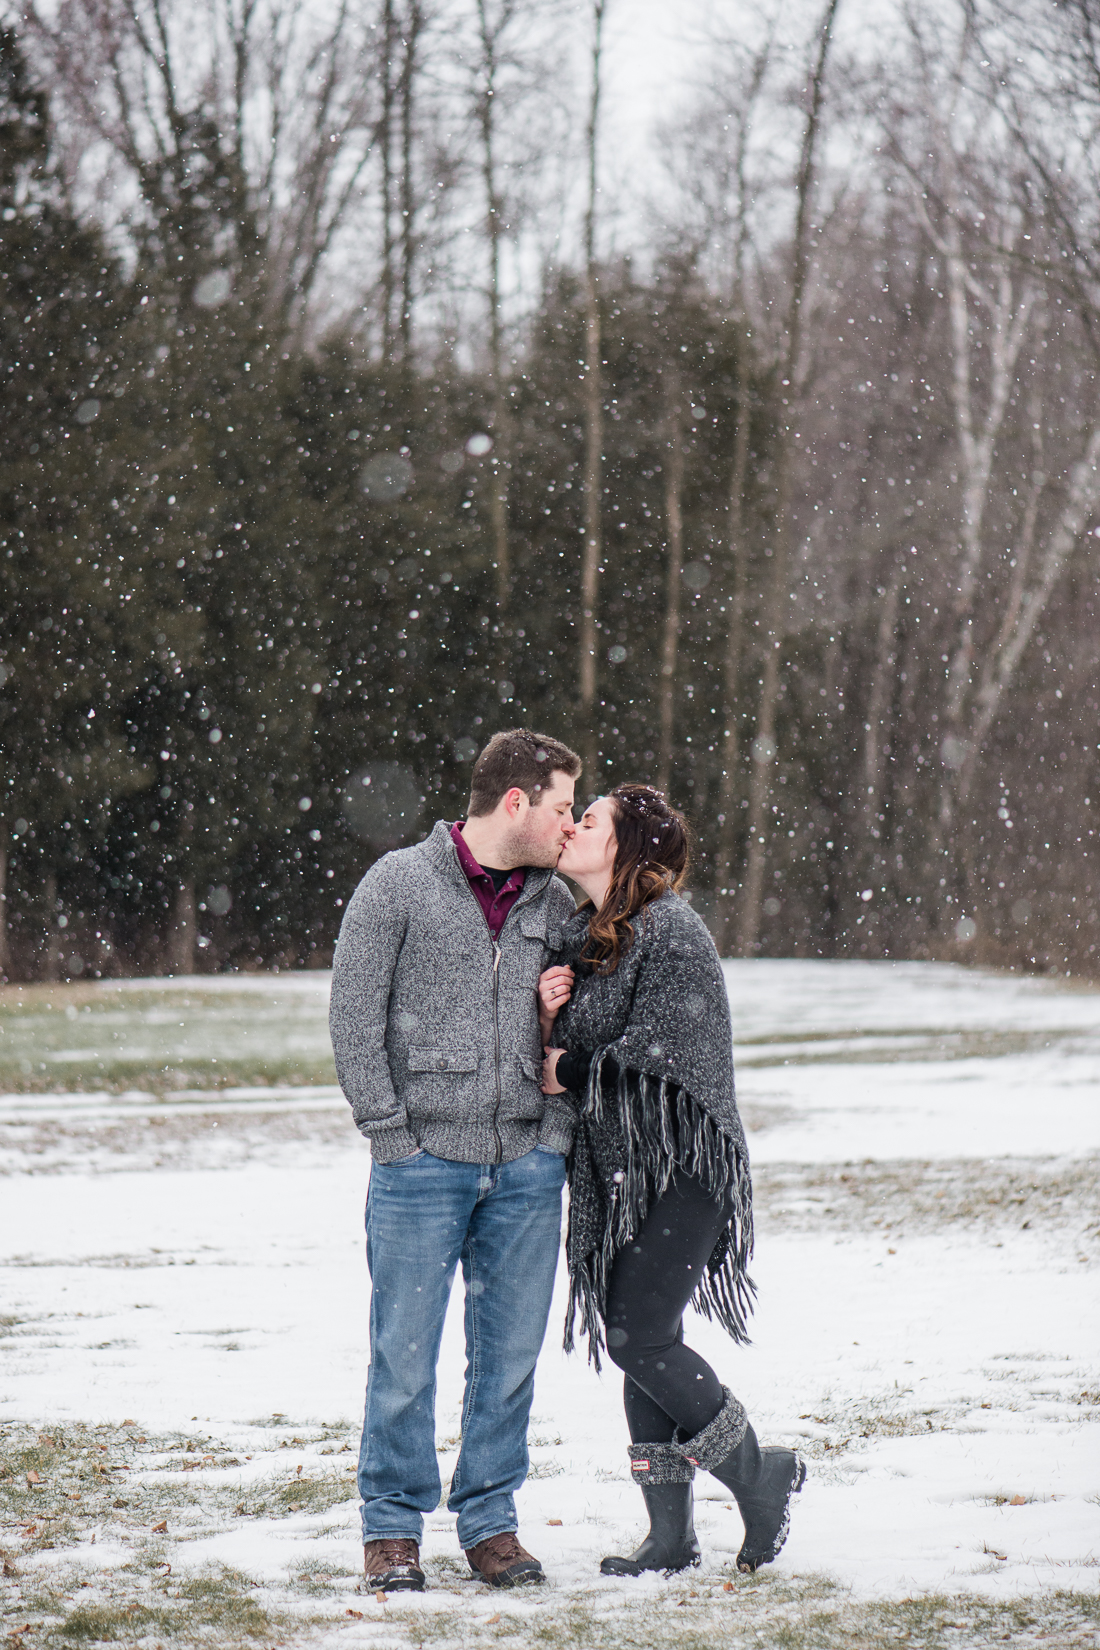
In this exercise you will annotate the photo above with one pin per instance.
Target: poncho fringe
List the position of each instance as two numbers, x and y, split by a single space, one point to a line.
662 1130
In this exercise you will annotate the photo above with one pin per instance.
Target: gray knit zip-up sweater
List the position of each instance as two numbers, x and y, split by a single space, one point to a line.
434 1026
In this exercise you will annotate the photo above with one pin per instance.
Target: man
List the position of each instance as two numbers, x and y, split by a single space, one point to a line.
434 1025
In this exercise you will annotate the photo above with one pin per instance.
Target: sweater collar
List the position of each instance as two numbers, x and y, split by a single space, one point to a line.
439 849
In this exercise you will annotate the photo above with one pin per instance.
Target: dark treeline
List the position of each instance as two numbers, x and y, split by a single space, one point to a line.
794 513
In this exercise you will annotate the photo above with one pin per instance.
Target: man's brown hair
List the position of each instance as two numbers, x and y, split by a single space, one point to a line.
518 757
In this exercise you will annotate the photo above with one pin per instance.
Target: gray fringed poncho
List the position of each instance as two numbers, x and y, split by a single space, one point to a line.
660 1097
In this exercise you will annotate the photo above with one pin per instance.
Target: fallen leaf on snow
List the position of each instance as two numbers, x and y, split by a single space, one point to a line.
382 1598
554 1521
1018 1501
161 1528
491 1621
33 1478
357 1615
727 1586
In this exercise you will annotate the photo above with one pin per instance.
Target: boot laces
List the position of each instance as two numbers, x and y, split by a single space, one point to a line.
505 1546
398 1551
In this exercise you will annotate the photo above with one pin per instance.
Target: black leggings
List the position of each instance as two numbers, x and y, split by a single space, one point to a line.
652 1279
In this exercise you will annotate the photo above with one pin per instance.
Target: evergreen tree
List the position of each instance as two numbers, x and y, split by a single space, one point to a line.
62 308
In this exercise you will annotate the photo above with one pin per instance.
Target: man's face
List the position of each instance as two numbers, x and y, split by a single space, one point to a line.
542 828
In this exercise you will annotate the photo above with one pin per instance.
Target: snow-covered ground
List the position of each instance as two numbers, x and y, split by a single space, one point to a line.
926 1142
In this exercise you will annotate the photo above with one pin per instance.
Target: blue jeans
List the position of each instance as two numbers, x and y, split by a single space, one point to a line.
503 1221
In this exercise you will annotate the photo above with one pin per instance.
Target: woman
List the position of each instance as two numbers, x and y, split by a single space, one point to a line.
660 1195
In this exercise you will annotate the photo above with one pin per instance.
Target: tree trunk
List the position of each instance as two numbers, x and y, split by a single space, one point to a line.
764 748
1008 321
180 950
389 282
51 953
731 669
674 518
875 746
498 487
1002 661
413 26
593 422
737 583
5 945
882 677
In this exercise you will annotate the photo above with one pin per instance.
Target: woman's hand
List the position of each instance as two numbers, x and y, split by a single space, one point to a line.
550 1084
555 989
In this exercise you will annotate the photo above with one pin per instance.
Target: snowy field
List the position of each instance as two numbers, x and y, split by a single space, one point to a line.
183 1338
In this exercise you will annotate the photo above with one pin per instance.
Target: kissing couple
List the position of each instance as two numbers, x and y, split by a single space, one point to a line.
493 1038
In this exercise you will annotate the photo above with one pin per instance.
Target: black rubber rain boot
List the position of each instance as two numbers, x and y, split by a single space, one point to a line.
762 1481
664 1478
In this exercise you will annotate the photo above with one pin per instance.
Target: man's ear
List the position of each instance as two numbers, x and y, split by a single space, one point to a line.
513 800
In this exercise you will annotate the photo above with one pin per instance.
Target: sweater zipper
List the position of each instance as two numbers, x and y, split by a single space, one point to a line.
496 1017
496 1010
496 1044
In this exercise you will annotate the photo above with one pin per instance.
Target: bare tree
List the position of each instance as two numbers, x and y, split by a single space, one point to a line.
495 25
736 205
409 196
674 564
776 593
387 139
280 99
183 933
51 944
995 308
592 552
5 944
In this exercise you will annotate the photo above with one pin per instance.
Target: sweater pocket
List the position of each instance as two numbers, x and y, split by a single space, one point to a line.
523 959
522 1099
442 1082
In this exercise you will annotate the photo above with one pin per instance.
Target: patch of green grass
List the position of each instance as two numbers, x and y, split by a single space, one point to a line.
55 1485
102 1037
320 1580
807 1613
276 1498
914 1196
888 1047
214 1603
69 1605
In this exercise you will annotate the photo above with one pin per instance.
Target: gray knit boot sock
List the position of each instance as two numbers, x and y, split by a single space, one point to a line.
762 1481
664 1478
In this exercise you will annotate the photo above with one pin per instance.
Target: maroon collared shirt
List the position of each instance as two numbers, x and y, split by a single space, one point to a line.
495 906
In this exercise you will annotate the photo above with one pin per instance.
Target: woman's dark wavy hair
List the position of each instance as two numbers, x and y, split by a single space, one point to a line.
654 847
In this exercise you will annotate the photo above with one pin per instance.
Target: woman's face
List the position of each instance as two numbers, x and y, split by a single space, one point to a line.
590 851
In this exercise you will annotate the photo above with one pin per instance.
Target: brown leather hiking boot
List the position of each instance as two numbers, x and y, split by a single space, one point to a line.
392 1565
502 1562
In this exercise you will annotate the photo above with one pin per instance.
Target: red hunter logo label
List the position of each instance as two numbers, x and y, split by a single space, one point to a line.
639 1466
